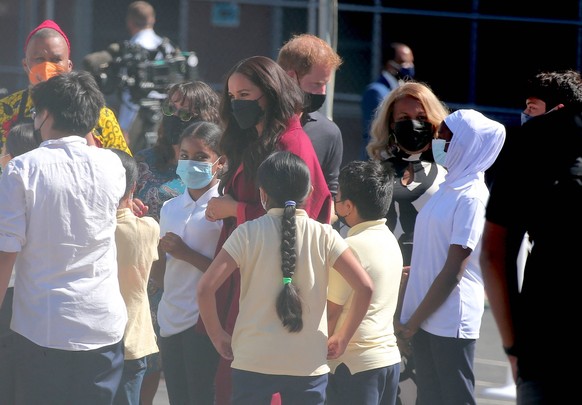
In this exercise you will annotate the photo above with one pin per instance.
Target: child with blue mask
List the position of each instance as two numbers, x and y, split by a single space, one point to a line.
194 174
187 245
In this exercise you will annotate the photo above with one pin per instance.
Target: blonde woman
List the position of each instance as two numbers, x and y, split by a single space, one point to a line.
402 131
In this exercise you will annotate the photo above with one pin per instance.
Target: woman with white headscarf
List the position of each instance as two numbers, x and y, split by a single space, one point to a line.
444 299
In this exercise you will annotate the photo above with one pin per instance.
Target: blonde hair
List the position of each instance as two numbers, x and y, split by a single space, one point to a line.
304 51
381 138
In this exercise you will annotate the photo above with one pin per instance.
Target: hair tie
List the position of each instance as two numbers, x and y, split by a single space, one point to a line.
286 280
290 203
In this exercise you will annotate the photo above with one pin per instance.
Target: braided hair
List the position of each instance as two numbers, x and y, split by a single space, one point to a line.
285 178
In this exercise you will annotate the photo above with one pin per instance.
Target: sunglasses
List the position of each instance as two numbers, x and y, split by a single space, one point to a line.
168 109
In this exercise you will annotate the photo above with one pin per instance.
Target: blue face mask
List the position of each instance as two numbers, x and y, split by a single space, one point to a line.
406 73
438 151
195 175
525 118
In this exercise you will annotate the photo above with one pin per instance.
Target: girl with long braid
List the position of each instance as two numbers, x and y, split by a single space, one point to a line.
280 341
288 302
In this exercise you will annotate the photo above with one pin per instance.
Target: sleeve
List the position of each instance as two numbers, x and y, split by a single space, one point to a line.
508 196
154 229
245 191
234 244
337 244
319 204
164 222
108 131
338 290
12 211
9 110
468 223
334 162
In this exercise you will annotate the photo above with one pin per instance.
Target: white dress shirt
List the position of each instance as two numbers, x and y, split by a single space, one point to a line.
58 210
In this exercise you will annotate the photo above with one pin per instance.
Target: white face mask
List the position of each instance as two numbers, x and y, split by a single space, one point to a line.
438 151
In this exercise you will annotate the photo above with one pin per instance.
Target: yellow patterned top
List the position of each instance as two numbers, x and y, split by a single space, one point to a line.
107 132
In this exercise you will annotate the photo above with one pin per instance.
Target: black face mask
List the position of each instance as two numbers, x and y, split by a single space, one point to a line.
36 132
413 135
173 127
247 113
313 102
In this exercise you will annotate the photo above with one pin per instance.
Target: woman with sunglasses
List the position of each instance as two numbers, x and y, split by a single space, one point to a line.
185 104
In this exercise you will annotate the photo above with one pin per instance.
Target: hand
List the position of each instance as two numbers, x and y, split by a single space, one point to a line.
223 344
138 208
404 344
335 347
404 331
220 208
174 245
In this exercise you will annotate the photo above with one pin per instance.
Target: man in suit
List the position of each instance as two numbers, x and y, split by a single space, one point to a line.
398 66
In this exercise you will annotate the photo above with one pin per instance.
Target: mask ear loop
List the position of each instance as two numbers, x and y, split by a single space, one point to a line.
392 148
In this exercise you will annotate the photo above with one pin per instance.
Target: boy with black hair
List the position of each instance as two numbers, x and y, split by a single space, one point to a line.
369 370
57 228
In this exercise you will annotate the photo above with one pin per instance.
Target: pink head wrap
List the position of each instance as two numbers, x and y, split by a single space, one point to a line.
53 26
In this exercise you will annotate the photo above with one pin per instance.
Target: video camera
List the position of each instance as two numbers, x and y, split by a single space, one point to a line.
130 66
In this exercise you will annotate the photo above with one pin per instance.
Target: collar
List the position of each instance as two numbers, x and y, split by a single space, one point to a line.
308 117
392 81
65 140
362 226
147 38
278 212
186 200
294 122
